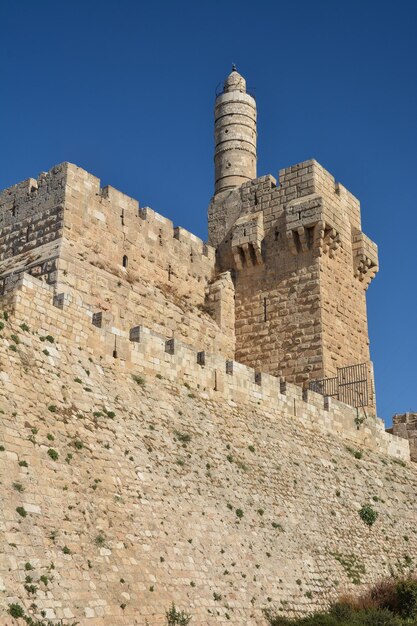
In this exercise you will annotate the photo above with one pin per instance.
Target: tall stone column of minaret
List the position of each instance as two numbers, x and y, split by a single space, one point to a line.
234 134
234 153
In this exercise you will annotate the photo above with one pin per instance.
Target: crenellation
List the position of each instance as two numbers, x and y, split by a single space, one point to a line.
161 222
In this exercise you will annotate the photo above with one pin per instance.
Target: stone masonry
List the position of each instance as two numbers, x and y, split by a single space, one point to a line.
159 442
125 262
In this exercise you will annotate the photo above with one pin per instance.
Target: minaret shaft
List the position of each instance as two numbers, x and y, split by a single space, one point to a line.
234 134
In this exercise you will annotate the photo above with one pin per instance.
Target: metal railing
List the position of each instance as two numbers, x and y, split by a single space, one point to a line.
350 385
220 90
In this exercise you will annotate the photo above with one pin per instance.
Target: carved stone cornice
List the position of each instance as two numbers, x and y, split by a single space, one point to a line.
365 258
248 233
309 227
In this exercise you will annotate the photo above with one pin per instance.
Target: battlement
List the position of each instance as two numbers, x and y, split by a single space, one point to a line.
68 181
144 350
298 187
32 196
405 425
311 177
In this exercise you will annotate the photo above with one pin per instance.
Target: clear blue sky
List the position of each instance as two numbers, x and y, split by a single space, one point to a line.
125 90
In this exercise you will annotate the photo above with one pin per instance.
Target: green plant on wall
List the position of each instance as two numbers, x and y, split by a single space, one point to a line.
177 618
368 515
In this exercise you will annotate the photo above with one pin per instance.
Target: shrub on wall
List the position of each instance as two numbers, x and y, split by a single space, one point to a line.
388 603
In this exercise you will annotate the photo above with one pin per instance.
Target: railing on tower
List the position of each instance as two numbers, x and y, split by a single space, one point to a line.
350 385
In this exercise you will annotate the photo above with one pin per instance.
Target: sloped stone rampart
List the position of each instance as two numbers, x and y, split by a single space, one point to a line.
75 324
173 483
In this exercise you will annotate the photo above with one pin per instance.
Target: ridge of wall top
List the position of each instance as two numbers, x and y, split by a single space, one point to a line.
66 179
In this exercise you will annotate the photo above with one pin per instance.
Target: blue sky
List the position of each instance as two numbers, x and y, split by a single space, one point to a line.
126 89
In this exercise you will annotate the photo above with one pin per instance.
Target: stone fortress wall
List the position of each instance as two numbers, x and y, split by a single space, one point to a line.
280 287
275 294
126 268
157 431
165 474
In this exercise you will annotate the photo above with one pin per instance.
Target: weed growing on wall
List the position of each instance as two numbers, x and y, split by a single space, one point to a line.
368 515
389 603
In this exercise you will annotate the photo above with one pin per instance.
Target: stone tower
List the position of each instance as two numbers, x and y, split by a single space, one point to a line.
298 257
234 134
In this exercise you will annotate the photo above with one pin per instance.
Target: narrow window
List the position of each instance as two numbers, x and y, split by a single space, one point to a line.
169 272
125 260
97 319
265 316
122 217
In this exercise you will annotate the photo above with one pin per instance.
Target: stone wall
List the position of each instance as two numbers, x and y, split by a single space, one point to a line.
129 263
277 301
342 285
169 474
140 347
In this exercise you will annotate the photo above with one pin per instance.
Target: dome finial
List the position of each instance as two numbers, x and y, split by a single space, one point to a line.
234 67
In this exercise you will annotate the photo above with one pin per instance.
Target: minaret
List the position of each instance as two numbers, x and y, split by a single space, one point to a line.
234 134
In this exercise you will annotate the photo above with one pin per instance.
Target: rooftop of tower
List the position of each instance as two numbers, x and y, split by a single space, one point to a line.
234 82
